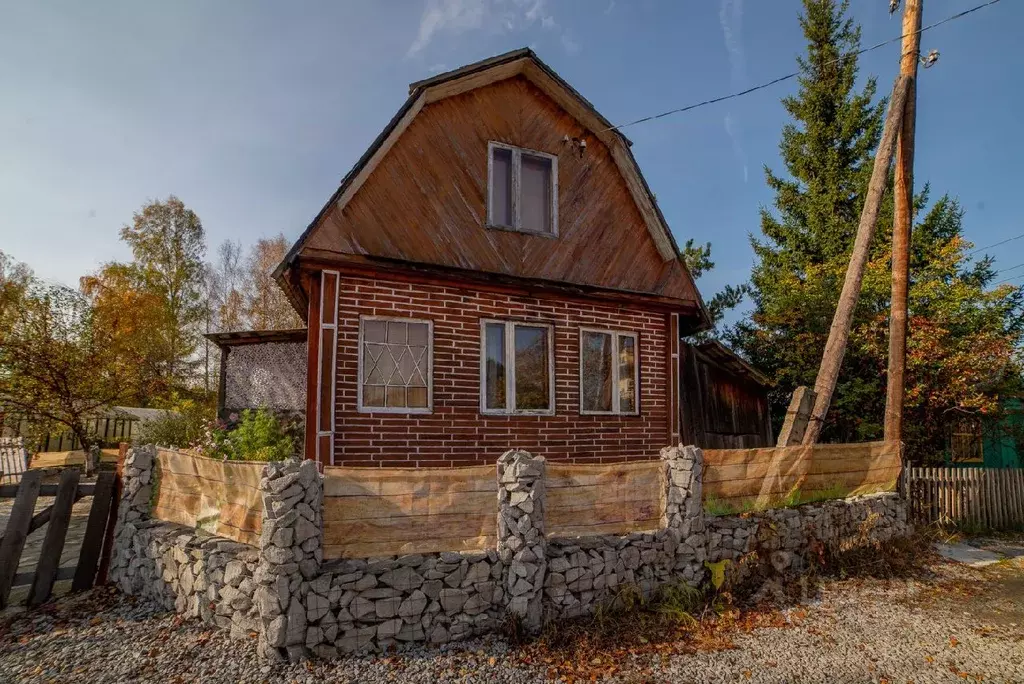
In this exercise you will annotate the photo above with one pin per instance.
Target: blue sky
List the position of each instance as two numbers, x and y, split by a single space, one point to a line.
251 112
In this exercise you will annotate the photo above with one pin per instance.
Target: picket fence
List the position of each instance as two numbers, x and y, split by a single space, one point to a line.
980 498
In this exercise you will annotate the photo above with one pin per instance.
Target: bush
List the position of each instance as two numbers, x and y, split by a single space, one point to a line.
258 436
183 427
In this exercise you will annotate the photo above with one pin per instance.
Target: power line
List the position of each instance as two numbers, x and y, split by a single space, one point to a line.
996 244
1011 268
1008 280
780 79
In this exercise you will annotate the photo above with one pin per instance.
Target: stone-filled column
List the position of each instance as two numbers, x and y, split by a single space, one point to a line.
291 550
134 508
683 517
521 542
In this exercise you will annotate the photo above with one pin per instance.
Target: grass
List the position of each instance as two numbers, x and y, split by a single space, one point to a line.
797 497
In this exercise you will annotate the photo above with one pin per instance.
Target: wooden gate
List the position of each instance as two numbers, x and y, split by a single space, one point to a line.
23 521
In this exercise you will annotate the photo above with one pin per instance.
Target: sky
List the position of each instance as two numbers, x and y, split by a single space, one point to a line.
251 112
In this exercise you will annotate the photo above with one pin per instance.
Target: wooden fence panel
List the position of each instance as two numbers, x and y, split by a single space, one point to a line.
13 460
988 498
372 512
767 477
221 496
607 498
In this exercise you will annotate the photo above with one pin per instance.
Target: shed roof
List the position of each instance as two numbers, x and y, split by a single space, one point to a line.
731 361
239 337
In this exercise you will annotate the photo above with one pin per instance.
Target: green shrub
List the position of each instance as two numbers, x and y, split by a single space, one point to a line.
183 427
258 436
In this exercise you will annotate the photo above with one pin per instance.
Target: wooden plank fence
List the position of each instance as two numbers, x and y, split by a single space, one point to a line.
23 521
603 498
973 498
222 497
392 511
772 476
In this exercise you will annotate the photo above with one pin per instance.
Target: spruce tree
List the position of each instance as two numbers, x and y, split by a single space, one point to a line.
802 255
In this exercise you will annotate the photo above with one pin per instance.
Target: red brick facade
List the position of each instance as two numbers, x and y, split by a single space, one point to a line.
456 433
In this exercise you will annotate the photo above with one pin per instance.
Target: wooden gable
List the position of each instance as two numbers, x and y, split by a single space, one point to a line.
422 196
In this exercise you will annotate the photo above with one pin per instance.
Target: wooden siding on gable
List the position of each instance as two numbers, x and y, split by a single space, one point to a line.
425 202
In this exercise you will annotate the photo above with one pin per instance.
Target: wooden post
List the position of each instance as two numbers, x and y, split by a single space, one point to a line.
18 525
108 535
795 424
53 542
839 334
903 217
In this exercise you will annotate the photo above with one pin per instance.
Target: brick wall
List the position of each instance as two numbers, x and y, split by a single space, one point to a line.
456 433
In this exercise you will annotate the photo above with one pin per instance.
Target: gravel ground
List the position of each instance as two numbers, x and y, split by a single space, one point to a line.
962 625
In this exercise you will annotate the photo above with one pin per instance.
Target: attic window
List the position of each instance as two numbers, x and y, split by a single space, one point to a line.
522 190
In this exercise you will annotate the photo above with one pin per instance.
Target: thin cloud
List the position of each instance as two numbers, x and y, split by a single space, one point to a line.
732 129
455 17
730 18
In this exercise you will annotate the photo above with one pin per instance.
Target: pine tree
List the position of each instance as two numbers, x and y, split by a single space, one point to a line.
802 257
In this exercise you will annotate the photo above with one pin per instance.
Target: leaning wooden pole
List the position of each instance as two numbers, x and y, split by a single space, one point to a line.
903 198
839 334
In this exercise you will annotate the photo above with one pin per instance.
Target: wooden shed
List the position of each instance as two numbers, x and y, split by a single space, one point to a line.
723 399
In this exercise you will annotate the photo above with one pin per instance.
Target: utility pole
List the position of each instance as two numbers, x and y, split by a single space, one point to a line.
839 333
903 196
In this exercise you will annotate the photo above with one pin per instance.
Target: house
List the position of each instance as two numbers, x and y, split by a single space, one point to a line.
494 272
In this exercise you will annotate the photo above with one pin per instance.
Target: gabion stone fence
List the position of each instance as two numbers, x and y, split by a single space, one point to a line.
298 604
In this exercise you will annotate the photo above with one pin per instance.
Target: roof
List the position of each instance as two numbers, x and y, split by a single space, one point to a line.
517 62
732 362
240 337
137 413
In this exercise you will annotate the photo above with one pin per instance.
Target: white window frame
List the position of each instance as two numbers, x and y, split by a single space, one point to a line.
616 404
517 157
430 368
510 368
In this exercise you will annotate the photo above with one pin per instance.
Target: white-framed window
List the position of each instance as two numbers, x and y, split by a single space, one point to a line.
517 367
395 365
609 372
522 189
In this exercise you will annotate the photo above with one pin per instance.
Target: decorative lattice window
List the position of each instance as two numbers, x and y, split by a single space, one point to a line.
395 365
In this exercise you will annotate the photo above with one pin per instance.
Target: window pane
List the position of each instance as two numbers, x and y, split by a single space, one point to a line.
397 332
396 396
627 374
531 379
494 369
418 333
501 187
417 397
596 372
535 188
373 395
375 331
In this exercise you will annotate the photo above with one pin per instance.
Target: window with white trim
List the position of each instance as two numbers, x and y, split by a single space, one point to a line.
609 373
522 189
517 367
395 365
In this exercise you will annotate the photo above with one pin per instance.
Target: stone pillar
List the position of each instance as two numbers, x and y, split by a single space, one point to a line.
522 546
134 507
291 550
683 515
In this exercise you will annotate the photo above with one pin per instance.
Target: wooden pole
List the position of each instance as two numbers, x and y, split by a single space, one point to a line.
839 334
903 217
